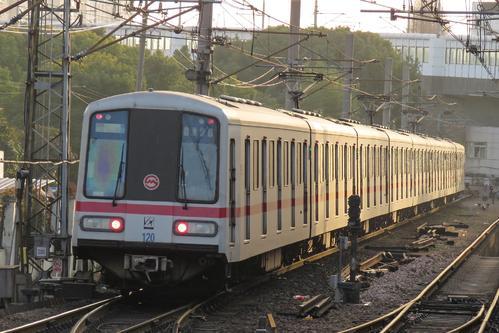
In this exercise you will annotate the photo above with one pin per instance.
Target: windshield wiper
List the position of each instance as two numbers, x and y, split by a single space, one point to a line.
206 170
118 177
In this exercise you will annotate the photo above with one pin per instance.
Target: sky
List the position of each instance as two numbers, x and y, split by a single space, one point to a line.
332 13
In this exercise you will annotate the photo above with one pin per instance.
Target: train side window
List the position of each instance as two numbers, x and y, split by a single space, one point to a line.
247 186
392 171
232 190
326 176
387 173
271 163
397 185
336 181
361 175
293 183
264 186
316 181
256 164
375 176
381 173
407 170
305 183
353 169
345 177
368 174
279 184
299 163
286 163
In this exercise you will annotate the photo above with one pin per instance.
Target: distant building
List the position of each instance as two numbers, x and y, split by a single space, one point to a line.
482 153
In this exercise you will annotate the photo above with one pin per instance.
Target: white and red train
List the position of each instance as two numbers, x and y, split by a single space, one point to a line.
172 184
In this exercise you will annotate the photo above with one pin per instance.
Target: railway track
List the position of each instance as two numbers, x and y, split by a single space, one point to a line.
460 299
61 322
88 318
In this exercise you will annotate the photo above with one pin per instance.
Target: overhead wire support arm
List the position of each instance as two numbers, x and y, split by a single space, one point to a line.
269 32
260 60
14 5
19 16
96 48
110 33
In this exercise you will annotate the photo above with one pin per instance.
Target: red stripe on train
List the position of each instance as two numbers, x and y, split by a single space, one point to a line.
126 208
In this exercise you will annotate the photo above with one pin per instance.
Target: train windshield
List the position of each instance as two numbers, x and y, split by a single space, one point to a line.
198 159
107 155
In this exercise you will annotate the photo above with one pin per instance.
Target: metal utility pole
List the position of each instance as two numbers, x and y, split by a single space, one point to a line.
263 15
205 48
46 113
348 68
387 92
142 51
404 117
292 84
316 12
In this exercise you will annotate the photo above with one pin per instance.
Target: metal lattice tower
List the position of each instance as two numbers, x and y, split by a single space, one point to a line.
46 111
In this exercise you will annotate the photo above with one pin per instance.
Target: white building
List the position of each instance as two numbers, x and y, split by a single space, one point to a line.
482 157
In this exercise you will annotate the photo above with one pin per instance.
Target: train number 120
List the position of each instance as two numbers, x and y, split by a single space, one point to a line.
148 237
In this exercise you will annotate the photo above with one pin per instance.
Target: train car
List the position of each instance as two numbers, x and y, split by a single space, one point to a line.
172 185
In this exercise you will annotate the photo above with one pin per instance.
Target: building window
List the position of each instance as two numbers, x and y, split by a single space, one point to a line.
478 150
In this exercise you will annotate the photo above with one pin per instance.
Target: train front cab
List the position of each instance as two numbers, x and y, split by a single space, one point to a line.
148 202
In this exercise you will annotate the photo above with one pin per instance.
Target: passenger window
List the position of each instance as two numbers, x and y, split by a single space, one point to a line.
256 164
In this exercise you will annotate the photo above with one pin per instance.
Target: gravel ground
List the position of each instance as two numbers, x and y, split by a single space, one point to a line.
241 313
22 318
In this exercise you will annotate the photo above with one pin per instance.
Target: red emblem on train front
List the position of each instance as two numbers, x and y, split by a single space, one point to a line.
151 182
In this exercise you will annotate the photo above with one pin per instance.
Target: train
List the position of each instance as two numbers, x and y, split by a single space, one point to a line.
174 186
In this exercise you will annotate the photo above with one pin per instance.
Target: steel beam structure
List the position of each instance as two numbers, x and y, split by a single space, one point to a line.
46 146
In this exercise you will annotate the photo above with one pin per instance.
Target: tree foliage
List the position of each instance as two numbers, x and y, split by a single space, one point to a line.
113 70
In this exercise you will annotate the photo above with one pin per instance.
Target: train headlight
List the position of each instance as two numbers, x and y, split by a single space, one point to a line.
195 228
102 223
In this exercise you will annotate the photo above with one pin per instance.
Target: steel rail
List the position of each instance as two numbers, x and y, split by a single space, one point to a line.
81 324
470 322
441 277
150 324
489 313
49 322
188 312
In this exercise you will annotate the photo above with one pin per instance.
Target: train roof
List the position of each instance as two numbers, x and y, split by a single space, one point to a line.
246 112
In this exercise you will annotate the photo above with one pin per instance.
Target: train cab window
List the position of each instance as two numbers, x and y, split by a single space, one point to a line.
247 187
198 158
256 164
107 155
